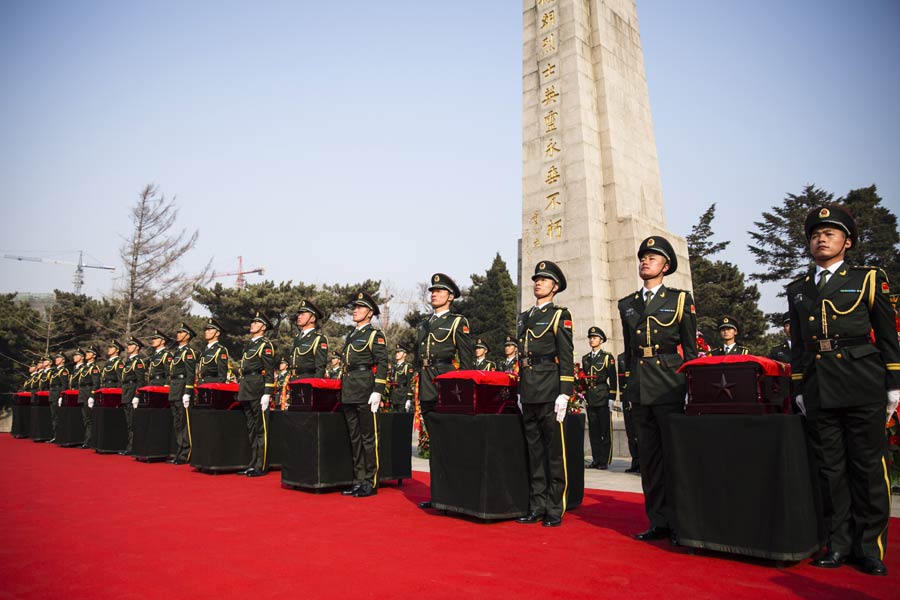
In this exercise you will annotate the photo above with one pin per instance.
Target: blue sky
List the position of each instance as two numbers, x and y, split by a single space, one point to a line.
332 142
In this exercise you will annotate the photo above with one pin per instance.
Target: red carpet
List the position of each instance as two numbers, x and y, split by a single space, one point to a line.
81 525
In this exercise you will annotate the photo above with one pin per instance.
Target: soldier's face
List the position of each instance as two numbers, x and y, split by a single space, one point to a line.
480 352
787 329
303 319
360 313
77 358
827 243
155 342
543 287
595 341
509 349
112 351
653 265
58 360
439 298
181 336
727 334
210 333
399 355
255 327
90 356
132 348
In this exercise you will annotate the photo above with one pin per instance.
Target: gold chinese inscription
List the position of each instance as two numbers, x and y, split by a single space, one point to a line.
550 121
551 149
554 228
552 201
552 175
545 2
550 95
534 218
548 19
548 70
548 44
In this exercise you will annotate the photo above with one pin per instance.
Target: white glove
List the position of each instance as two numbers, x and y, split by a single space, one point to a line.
186 400
519 402
562 402
134 402
59 402
264 402
612 405
90 403
799 400
408 405
892 401
374 401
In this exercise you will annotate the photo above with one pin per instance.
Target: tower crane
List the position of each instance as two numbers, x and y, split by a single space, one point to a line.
239 283
77 278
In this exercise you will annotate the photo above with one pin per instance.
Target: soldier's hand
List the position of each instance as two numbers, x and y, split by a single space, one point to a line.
519 402
408 405
186 400
799 400
134 402
90 403
264 402
893 399
612 405
59 402
374 401
562 402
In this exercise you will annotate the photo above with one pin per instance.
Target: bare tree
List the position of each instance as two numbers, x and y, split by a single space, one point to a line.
154 291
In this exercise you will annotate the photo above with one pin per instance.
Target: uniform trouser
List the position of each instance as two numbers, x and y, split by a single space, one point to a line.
849 445
54 410
258 434
600 433
128 409
547 470
653 441
631 432
363 430
87 415
182 430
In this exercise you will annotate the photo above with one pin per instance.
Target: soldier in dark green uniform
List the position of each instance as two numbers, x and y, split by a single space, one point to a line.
443 344
363 383
846 385
599 367
628 415
255 393
134 376
782 352
655 321
335 368
182 372
510 362
88 383
481 360
59 380
282 391
214 359
309 352
728 330
159 360
546 382
111 372
400 379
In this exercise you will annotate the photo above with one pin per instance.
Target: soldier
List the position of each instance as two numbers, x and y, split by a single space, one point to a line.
134 376
728 330
309 353
59 380
214 360
655 321
362 385
510 362
846 385
440 340
400 379
481 361
335 368
282 377
111 373
88 383
782 352
628 415
255 393
182 371
599 368
42 377
546 382
160 359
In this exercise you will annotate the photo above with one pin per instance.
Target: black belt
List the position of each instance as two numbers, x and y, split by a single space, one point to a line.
254 372
832 344
536 359
651 351
359 367
430 362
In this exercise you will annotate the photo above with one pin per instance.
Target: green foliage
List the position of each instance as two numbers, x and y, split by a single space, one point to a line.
19 344
490 306
879 240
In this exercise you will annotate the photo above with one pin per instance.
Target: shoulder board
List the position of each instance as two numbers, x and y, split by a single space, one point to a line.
676 290
799 279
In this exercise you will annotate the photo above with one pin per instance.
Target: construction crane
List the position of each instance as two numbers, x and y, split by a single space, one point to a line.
78 278
239 284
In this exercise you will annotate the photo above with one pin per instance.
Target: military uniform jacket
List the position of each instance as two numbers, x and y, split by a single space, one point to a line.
59 380
782 352
401 376
484 365
546 354
601 379
214 364
439 342
43 380
833 362
88 381
510 365
735 350
182 371
653 334
158 367
334 373
257 370
75 376
309 355
134 376
111 373
365 365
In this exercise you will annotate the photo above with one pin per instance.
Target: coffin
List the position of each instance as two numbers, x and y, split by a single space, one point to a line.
23 398
737 384
109 397
43 398
477 392
218 396
70 398
153 396
315 394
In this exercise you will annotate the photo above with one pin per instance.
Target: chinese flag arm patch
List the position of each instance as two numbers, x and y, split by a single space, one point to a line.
465 329
885 287
567 324
693 310
323 346
140 365
223 357
379 340
268 351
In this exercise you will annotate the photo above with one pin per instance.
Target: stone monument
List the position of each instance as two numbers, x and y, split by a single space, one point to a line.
590 176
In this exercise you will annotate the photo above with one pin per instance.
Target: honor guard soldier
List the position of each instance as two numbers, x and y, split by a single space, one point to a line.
335 369
782 352
59 380
134 376
111 373
443 344
628 415
309 353
481 361
88 383
214 359
728 330
655 321
601 384
546 382
846 385
42 378
510 362
363 383
182 371
160 359
400 380
282 378
255 393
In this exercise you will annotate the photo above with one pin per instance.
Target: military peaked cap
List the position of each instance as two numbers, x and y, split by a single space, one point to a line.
160 335
133 341
551 270
661 246
115 344
479 343
402 348
729 322
439 281
187 329
831 214
308 306
212 324
510 341
596 331
364 299
262 318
